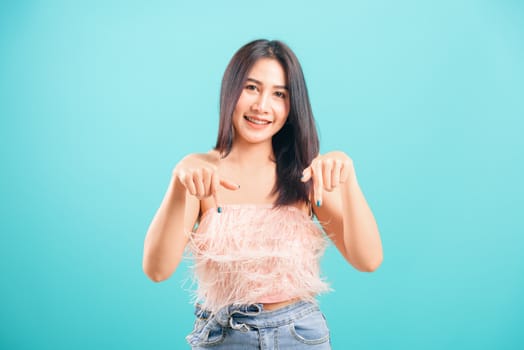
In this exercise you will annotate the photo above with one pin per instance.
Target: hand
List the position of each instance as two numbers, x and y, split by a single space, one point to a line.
328 171
201 178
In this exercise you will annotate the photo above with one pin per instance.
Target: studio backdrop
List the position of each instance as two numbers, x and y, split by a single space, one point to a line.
100 99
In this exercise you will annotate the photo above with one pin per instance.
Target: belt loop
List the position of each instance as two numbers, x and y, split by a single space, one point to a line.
226 316
238 326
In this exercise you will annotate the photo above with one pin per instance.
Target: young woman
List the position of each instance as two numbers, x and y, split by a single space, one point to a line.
256 249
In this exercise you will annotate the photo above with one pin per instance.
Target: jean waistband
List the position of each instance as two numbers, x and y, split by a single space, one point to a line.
243 317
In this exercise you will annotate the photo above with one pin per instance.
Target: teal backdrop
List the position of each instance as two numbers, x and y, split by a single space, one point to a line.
99 100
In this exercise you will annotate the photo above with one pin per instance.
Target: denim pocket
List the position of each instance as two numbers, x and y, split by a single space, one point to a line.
205 332
311 329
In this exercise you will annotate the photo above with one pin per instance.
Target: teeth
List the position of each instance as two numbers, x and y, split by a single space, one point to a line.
256 121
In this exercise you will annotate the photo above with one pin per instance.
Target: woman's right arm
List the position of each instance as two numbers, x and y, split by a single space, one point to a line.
194 178
167 235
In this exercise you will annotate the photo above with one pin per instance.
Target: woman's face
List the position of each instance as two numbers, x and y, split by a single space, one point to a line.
263 106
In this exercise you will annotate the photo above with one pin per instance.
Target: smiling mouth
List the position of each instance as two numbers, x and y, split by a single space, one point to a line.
256 120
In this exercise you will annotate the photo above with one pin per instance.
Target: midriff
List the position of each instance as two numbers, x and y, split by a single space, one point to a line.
278 305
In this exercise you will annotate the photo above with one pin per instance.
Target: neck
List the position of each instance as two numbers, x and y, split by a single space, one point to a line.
252 155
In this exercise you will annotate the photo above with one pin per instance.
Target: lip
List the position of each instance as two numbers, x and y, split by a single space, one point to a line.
264 122
257 118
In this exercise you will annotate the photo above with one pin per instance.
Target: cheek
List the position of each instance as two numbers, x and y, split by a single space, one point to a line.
244 100
281 121
283 111
240 108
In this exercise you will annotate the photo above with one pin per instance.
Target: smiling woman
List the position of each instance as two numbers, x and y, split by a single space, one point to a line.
263 106
256 249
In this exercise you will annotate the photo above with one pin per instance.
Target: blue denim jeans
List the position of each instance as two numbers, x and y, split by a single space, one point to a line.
297 326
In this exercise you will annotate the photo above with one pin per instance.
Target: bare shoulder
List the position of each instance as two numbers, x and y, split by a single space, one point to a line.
211 157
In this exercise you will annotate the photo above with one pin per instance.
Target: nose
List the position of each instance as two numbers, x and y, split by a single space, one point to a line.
261 105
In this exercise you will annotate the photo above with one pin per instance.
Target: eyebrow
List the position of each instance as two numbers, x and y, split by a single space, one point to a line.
260 83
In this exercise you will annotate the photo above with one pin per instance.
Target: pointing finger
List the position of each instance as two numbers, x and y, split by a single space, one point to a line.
317 183
215 182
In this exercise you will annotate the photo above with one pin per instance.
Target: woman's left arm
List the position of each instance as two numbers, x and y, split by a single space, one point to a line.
342 209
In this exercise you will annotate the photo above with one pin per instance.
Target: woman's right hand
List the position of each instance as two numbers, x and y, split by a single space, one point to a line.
200 177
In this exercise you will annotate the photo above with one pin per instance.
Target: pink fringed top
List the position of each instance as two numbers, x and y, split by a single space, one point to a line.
256 254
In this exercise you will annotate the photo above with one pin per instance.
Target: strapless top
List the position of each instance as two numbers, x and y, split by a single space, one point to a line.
256 254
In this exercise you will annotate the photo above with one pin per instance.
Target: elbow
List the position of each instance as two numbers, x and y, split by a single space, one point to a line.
155 275
371 265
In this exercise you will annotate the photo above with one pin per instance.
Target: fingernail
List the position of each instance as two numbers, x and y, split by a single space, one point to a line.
319 203
219 210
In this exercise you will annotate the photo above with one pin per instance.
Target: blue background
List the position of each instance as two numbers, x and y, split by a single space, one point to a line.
98 101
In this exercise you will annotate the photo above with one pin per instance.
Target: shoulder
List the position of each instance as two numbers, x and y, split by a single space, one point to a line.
211 157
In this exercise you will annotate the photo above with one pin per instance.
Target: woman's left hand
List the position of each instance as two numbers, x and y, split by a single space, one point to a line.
328 171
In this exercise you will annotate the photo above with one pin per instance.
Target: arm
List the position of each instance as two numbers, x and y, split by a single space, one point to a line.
194 178
167 237
344 212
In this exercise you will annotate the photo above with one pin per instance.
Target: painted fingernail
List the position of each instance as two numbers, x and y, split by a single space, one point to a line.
319 203
219 210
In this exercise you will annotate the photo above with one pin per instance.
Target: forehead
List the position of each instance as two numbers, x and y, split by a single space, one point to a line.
269 71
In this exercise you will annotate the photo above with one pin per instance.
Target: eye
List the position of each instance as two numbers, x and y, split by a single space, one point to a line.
280 94
251 87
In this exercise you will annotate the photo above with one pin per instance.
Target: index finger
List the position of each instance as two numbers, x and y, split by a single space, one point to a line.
216 181
317 183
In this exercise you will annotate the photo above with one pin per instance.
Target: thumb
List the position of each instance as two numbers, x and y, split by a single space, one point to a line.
306 174
230 185
216 181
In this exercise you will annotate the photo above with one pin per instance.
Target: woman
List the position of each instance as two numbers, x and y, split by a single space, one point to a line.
256 248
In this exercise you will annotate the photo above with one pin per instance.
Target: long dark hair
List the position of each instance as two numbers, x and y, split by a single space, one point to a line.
296 144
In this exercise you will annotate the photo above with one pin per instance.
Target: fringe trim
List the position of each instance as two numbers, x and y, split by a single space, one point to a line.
249 253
